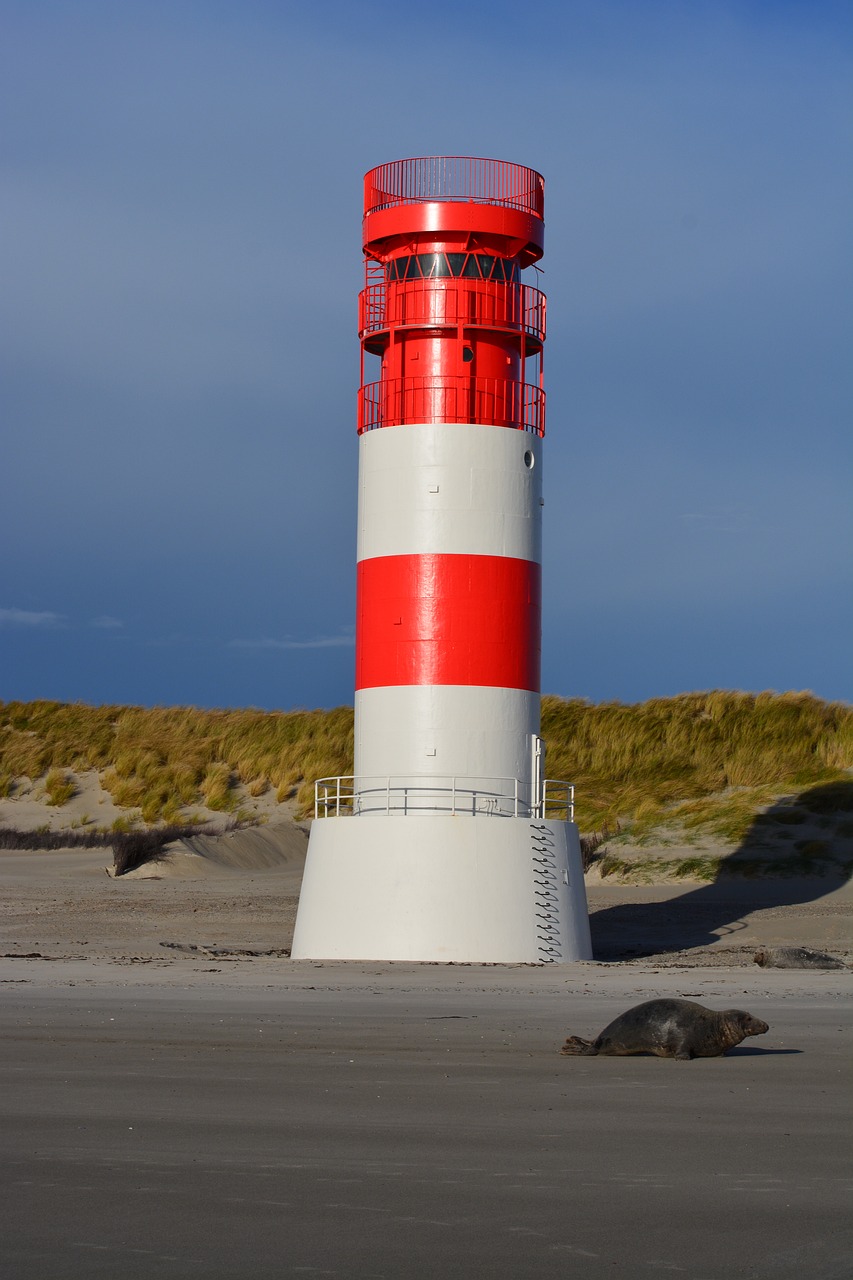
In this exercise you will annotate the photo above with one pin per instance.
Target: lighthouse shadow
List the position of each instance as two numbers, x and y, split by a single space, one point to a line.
796 852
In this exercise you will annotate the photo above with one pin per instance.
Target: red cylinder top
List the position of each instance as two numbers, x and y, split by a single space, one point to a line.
453 196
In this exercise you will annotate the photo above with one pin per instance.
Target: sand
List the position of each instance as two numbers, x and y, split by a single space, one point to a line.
232 901
183 1096
232 898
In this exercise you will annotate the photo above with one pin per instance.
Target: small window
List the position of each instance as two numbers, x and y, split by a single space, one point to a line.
487 266
457 261
433 264
397 268
467 354
413 270
471 270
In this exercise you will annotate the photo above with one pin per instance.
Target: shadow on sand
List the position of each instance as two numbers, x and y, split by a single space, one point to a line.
740 1052
798 851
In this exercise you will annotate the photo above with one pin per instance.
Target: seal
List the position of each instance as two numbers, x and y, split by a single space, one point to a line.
795 958
670 1029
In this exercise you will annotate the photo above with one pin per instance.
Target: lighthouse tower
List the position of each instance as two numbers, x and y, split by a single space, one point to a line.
448 843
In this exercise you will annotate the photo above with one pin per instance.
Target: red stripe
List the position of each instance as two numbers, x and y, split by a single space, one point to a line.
448 619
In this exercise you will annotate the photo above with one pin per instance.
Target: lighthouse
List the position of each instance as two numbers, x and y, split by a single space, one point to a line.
448 843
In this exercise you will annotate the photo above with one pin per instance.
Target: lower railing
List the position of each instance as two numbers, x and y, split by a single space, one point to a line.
436 795
452 398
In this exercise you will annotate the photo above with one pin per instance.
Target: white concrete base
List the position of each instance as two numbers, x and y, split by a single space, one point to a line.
443 888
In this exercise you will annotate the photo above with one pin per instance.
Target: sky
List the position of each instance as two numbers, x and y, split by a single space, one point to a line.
181 188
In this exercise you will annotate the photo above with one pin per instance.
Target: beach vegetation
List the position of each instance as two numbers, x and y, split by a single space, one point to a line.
217 787
59 788
42 838
697 764
125 823
636 762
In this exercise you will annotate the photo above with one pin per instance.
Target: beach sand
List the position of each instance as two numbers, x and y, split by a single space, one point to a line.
233 899
183 1096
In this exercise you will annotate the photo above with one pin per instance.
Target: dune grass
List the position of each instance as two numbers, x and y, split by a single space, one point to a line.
162 759
59 788
636 762
706 760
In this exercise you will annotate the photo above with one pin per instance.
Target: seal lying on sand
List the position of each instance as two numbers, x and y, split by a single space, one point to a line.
795 958
671 1029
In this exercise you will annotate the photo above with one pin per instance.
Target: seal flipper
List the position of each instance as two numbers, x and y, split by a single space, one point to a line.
574 1045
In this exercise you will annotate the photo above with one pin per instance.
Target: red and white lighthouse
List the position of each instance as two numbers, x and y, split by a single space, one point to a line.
448 843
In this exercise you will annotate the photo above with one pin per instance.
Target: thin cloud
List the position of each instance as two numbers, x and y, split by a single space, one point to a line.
106 623
27 618
322 642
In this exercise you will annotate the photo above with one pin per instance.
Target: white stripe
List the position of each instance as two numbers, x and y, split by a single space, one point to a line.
471 731
459 489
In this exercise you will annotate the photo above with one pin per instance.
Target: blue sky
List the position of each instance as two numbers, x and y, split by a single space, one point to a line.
181 187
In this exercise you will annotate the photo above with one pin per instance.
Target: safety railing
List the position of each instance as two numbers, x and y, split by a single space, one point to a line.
452 398
484 304
425 795
444 178
558 799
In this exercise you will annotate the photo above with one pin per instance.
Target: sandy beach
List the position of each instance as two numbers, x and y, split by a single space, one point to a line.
234 897
182 1097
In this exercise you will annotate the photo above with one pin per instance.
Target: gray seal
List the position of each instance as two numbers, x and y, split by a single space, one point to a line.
795 958
670 1029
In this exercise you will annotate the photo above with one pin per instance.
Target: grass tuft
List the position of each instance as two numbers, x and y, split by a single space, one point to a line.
59 788
217 787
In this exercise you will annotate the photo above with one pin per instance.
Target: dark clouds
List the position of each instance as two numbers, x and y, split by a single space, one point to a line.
181 194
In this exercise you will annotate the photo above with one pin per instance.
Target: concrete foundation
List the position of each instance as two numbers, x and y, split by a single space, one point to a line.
443 888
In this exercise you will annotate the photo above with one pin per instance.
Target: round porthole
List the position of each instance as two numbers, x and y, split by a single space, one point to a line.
467 354
529 459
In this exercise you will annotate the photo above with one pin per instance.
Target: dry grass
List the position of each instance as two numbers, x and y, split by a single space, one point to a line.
164 759
653 870
713 755
58 787
638 761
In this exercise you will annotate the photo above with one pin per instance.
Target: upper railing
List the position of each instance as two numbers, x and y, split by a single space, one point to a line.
459 178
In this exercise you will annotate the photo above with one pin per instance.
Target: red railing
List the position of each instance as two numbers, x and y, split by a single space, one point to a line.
452 398
444 178
432 302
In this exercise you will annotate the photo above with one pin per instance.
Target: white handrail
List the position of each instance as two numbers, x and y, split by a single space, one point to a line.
427 794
